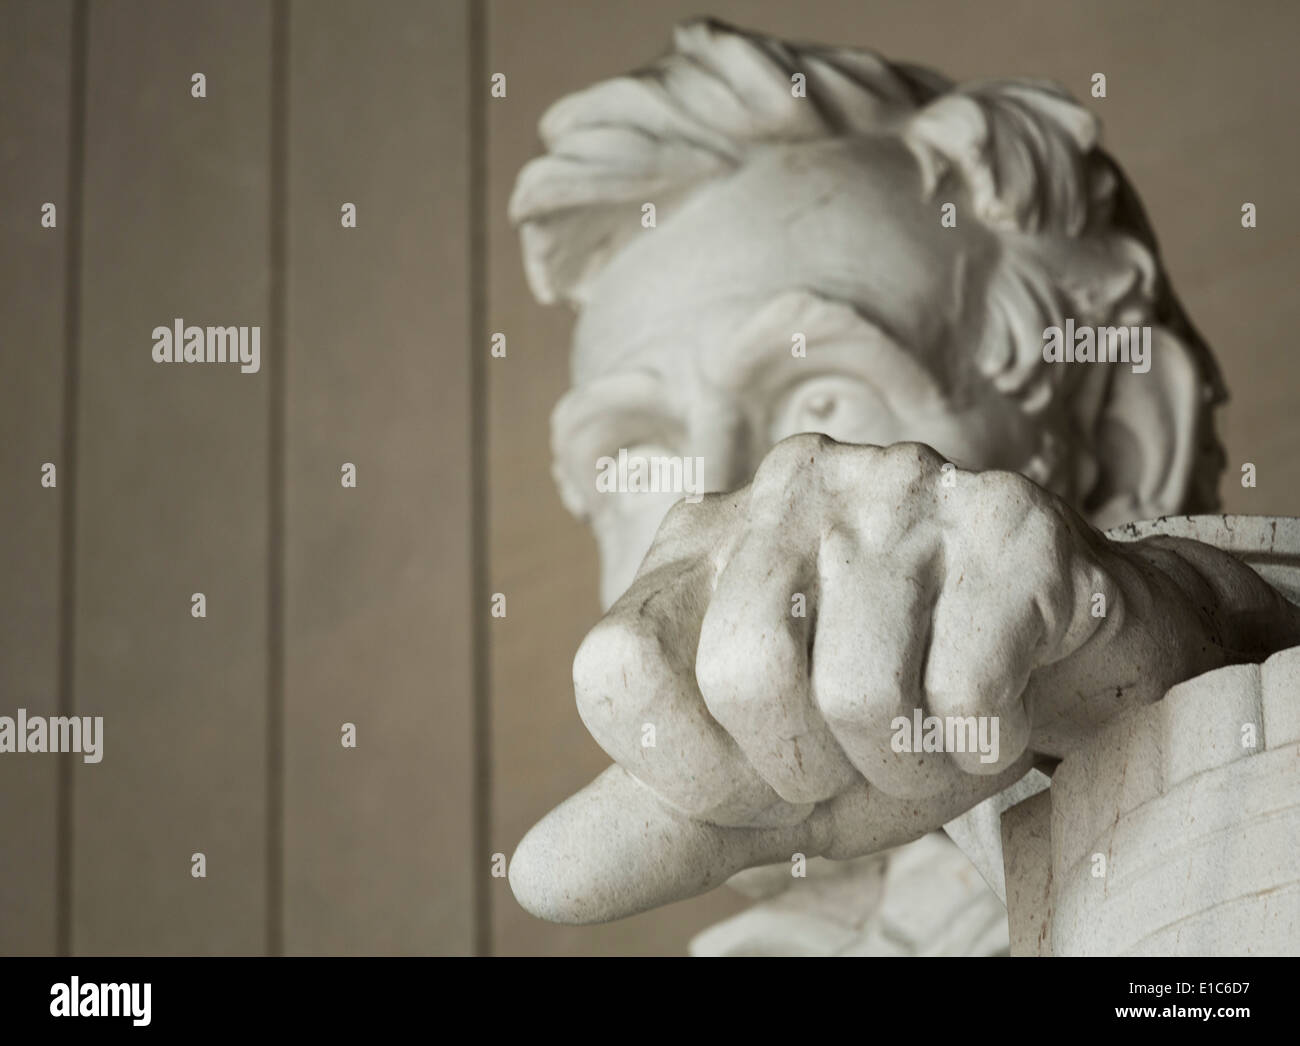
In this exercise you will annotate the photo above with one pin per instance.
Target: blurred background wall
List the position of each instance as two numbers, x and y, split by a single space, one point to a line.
325 605
328 605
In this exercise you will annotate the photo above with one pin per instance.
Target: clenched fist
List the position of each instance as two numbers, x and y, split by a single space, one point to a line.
850 652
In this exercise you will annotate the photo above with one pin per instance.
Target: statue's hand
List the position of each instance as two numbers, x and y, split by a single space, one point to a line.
759 682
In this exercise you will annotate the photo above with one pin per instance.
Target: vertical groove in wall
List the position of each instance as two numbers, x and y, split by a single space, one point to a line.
68 521
477 242
276 394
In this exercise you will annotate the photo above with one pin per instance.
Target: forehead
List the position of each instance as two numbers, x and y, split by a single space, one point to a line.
843 218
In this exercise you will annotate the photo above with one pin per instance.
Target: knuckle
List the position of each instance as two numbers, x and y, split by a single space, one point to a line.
902 481
790 461
1019 516
910 462
1048 544
1006 493
681 522
680 515
698 532
688 520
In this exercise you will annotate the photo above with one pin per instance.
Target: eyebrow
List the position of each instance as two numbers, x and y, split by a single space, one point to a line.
610 394
738 364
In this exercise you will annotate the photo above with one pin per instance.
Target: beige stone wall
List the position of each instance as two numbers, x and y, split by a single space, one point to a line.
324 606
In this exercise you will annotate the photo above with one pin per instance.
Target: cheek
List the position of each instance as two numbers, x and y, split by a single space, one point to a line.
993 435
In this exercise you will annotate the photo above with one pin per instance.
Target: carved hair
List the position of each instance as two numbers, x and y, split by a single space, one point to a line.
1075 239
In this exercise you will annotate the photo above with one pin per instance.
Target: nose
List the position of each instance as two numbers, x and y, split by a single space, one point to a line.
718 440
719 434
624 543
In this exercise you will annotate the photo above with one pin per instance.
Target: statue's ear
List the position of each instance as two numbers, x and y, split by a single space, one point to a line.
1146 436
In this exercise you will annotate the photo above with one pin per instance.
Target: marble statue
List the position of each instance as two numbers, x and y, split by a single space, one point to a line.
917 338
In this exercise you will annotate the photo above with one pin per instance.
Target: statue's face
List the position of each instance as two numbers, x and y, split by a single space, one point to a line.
672 357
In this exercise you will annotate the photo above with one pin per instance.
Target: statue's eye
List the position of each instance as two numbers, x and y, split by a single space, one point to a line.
820 407
843 407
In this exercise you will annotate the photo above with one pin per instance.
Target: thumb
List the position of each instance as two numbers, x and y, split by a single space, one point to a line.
615 849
